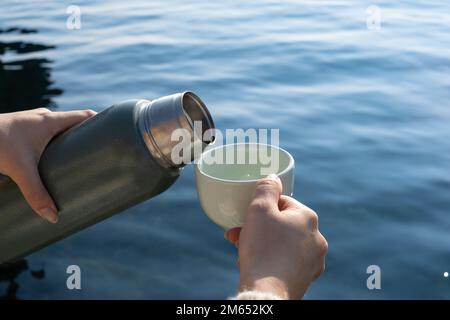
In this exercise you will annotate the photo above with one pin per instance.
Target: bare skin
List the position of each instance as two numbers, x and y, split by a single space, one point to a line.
281 250
23 137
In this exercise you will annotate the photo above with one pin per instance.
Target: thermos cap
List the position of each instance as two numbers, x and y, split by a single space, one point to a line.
174 127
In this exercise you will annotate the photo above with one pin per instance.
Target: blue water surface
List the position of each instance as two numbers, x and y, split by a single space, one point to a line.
364 109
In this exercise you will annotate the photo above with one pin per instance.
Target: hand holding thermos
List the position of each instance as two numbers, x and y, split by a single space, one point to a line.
23 137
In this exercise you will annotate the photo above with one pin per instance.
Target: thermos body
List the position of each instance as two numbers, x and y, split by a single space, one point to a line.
96 169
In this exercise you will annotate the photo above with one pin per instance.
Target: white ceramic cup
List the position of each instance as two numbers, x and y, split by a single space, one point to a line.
226 178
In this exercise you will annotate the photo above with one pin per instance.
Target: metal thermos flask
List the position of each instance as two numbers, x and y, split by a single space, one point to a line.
110 162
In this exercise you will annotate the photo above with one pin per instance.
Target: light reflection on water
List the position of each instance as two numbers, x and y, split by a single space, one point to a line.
364 113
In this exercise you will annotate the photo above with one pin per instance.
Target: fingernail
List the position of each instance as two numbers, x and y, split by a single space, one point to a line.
49 214
272 176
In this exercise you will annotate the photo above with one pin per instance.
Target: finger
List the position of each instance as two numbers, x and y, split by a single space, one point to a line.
292 206
61 121
289 203
40 111
233 234
267 193
321 268
35 193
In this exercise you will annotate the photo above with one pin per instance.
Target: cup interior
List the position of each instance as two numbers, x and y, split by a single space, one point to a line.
244 162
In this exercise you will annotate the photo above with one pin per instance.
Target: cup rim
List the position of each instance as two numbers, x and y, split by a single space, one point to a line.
289 167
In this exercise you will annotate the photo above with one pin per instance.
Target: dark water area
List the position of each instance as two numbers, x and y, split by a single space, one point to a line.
16 94
364 112
25 83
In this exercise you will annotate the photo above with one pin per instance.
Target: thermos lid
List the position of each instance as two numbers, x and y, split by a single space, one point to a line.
176 128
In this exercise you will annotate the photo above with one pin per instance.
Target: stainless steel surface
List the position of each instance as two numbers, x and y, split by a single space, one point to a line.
108 163
160 118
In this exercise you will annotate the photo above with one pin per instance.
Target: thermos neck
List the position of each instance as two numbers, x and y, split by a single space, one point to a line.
174 127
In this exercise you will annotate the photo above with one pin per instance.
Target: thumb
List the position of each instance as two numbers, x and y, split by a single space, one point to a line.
35 193
61 121
267 193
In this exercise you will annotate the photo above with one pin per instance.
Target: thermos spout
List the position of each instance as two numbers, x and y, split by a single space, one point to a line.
165 121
